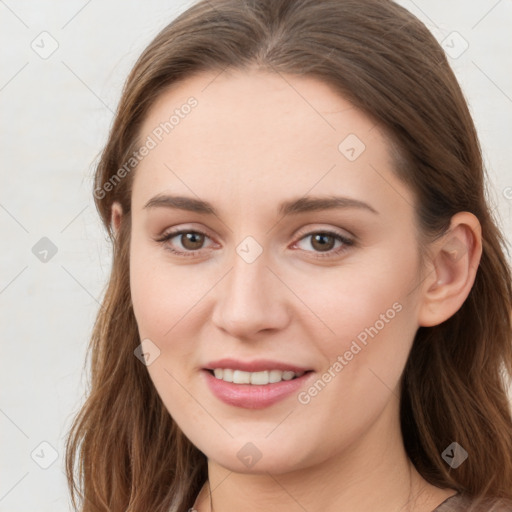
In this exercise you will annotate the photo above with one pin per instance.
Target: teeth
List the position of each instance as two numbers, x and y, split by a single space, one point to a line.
240 377
275 376
227 375
256 378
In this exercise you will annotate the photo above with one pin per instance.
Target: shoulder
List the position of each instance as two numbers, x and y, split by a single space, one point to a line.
464 503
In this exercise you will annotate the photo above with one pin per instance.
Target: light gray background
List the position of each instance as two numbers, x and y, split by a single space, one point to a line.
56 112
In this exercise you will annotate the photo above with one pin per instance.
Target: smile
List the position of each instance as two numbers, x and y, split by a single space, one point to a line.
261 378
255 390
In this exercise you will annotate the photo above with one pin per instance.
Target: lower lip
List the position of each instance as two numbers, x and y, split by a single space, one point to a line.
253 396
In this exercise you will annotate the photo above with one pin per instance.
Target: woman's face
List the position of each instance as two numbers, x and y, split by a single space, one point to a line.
267 273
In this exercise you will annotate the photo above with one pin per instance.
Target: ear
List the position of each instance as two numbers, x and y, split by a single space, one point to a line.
116 216
454 261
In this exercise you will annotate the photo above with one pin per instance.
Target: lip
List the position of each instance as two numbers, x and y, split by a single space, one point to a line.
251 396
257 365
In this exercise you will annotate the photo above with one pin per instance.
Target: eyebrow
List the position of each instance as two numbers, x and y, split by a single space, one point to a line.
294 206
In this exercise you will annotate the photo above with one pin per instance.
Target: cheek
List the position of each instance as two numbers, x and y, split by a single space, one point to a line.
370 309
161 298
374 326
148 298
162 293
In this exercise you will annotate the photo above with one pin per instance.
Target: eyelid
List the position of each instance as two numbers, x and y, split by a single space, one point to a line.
342 233
168 234
183 228
347 241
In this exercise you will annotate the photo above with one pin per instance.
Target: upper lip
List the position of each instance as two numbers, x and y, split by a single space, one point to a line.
257 365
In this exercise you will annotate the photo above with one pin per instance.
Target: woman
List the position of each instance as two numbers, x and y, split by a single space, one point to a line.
309 304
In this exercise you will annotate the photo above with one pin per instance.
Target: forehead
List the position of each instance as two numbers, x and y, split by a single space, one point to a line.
249 135
252 104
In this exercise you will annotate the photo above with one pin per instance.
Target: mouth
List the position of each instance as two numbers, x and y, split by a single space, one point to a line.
259 378
255 389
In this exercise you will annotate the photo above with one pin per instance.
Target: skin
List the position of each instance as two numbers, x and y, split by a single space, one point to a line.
254 140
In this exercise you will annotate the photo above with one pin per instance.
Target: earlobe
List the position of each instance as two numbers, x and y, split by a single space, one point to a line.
455 261
116 216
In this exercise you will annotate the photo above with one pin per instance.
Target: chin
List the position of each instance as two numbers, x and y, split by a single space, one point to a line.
259 457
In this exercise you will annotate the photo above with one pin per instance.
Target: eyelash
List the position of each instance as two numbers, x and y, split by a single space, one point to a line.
330 254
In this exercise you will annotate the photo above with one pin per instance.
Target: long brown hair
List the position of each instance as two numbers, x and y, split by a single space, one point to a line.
129 453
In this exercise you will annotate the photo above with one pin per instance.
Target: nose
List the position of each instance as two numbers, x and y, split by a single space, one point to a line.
251 299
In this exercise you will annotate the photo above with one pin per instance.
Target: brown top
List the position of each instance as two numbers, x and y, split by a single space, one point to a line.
456 503
461 503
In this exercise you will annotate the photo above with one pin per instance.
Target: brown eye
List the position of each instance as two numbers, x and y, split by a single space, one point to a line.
185 242
192 240
322 242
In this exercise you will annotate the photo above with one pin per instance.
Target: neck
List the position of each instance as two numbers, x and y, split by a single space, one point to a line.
373 473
